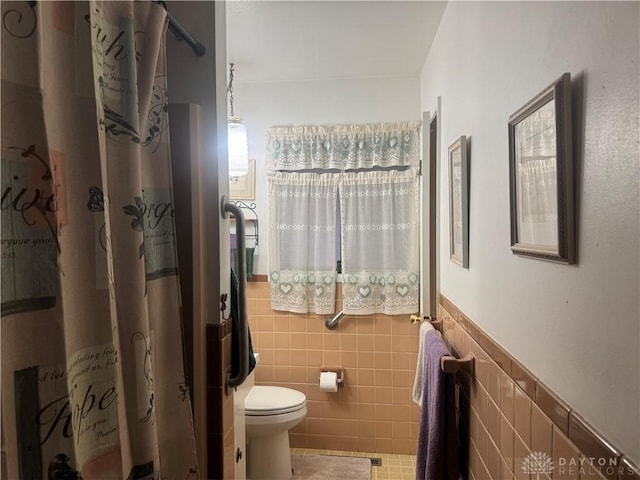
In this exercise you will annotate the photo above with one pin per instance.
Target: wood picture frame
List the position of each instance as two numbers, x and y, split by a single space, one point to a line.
541 176
459 202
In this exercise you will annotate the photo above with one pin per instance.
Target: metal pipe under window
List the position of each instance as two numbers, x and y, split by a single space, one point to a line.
332 323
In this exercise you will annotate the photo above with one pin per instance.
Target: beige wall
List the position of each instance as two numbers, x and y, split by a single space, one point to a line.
575 327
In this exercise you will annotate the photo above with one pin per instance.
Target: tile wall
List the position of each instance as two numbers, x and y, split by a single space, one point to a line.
220 445
508 415
372 411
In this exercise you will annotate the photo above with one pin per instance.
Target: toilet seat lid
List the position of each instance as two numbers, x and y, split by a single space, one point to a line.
268 400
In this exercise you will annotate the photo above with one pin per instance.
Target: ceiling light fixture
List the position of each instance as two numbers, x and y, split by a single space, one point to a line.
238 146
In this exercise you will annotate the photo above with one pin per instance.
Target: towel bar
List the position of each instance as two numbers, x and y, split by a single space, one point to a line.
436 322
448 364
243 343
465 364
418 319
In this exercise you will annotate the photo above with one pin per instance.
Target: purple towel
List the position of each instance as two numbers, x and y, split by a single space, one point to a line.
437 456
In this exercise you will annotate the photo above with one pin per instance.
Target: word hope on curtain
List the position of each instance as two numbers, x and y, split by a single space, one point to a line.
379 218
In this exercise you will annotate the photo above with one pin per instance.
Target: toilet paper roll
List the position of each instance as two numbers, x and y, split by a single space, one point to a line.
328 382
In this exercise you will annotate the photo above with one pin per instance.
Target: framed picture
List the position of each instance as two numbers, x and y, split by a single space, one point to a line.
244 187
541 176
459 202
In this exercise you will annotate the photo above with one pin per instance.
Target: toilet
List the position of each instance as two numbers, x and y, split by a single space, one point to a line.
270 412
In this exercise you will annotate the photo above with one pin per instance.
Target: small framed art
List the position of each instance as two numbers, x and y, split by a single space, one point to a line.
541 176
459 202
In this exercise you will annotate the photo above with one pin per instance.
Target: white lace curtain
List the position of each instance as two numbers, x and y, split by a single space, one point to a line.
302 242
379 218
380 242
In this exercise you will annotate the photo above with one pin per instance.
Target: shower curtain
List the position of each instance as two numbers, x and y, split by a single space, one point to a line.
93 383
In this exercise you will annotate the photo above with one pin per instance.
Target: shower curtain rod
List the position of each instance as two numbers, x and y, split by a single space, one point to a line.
181 34
176 28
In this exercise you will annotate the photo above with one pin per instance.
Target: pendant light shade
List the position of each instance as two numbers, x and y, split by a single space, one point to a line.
238 145
238 148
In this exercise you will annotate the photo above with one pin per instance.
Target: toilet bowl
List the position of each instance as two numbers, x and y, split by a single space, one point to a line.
270 412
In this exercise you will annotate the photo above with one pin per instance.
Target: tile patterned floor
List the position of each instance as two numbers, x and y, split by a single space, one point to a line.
394 467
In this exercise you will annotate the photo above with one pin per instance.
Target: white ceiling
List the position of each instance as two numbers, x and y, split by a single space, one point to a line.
271 41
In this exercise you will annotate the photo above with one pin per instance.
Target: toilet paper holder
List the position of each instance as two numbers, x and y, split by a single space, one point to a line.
337 370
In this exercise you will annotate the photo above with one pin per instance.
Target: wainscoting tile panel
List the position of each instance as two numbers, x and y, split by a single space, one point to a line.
594 446
553 407
541 431
566 457
522 415
628 470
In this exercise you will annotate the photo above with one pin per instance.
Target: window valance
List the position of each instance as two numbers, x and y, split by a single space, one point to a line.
343 147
